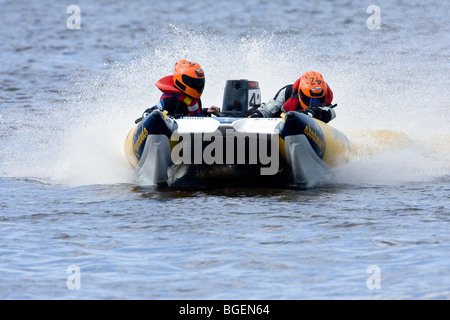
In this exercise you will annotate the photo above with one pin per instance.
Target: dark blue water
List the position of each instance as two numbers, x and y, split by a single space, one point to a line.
72 209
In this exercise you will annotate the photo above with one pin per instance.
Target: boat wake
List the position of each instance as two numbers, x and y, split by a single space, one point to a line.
394 157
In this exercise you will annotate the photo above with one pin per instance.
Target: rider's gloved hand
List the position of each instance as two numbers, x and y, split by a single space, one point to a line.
146 113
256 114
311 111
325 114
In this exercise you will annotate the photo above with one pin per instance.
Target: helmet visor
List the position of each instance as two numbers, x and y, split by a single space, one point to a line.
195 83
312 102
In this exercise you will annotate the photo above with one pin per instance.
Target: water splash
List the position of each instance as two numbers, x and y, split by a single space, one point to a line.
397 134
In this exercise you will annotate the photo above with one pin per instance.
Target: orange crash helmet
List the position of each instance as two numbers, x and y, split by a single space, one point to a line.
312 90
189 78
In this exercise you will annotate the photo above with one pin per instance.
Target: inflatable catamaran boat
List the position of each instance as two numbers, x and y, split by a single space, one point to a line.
296 147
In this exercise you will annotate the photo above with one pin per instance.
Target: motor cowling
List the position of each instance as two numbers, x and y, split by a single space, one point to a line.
240 96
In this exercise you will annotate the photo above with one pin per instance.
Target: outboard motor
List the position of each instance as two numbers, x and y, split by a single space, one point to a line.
240 96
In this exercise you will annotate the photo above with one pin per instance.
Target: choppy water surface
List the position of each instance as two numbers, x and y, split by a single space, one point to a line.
69 200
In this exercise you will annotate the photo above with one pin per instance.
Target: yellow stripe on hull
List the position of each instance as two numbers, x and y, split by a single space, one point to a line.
129 147
330 145
337 146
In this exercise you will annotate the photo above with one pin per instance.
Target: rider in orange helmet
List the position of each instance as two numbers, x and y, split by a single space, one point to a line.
182 92
310 94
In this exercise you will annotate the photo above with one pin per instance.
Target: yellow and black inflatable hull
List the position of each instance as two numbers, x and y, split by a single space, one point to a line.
306 147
